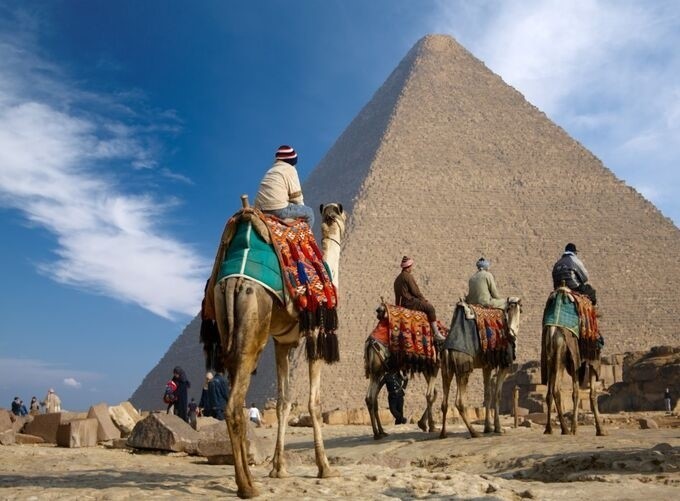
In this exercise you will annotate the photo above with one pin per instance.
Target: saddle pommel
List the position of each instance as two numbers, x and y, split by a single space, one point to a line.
244 201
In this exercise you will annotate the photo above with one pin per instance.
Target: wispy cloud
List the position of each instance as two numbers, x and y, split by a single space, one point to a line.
607 71
63 154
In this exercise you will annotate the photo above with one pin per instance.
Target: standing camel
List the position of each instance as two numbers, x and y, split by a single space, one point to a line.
452 361
377 364
561 352
247 314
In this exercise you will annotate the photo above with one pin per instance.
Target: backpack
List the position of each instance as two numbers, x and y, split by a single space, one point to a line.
170 395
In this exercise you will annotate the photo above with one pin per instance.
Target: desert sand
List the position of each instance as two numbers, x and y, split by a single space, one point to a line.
523 463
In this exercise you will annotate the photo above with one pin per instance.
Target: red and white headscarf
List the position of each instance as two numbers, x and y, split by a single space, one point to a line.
406 262
285 152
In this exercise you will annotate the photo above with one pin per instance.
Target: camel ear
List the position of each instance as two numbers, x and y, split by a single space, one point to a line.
340 206
321 208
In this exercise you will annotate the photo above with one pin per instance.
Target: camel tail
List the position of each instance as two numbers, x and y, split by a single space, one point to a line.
367 355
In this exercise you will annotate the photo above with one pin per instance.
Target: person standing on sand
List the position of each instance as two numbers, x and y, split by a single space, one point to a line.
254 415
52 402
183 385
667 399
34 408
193 408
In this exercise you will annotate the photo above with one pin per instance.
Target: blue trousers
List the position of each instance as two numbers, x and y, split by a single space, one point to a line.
294 211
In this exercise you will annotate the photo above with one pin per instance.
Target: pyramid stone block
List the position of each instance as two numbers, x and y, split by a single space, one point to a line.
165 432
45 426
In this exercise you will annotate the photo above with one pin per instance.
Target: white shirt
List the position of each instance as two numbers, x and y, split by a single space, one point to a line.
279 187
254 413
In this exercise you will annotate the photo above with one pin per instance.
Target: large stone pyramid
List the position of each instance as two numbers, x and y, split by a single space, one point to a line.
447 163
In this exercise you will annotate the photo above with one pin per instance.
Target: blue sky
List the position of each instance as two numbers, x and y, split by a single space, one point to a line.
128 130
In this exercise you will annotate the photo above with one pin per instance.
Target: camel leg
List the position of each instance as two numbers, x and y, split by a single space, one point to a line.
557 392
372 405
486 374
426 421
447 376
600 431
574 399
282 409
325 470
551 379
500 378
461 382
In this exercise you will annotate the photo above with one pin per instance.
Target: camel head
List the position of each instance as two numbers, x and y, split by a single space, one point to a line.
513 313
332 215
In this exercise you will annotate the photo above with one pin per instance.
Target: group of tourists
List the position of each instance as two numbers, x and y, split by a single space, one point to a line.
51 403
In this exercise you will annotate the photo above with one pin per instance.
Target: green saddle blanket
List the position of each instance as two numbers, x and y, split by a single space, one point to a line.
250 256
562 312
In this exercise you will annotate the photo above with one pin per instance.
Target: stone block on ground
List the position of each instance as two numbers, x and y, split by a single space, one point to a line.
335 417
164 432
215 445
78 433
132 412
538 418
45 426
358 416
522 411
6 420
25 439
207 422
8 437
20 422
121 419
269 416
106 429
648 424
303 420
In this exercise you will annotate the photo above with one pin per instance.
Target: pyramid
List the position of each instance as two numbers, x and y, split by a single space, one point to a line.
447 163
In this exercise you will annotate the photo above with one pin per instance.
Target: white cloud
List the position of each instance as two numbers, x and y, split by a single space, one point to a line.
607 71
69 381
27 372
57 148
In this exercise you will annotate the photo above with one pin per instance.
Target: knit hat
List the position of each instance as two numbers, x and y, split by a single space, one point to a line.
406 262
285 152
570 248
483 263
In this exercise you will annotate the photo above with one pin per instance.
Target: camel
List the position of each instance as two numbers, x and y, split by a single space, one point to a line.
377 364
558 358
247 314
451 360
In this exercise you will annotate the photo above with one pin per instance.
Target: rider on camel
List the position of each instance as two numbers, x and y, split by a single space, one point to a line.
408 295
280 193
482 287
570 271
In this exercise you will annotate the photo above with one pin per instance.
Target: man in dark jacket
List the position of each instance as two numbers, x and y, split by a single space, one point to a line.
570 271
183 385
408 295
218 394
396 386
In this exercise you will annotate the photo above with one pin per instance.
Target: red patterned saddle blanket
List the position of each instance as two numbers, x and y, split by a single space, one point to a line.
589 331
305 274
492 328
408 335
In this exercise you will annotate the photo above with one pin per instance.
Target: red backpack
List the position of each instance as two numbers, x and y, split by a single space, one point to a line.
170 395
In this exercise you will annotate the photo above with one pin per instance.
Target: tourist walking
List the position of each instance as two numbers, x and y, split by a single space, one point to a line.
183 385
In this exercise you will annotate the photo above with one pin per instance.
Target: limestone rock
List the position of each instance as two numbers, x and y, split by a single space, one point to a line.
648 424
164 432
78 433
106 429
24 439
269 416
8 437
6 420
335 417
122 419
45 426
208 422
214 444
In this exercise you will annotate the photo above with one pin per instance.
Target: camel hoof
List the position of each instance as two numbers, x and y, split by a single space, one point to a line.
499 431
548 431
422 426
601 433
488 430
379 436
475 434
443 435
280 473
247 492
328 473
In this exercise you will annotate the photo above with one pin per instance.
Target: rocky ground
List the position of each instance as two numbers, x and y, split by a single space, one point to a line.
630 463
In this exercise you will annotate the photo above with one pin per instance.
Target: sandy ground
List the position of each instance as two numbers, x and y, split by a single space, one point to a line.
521 464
